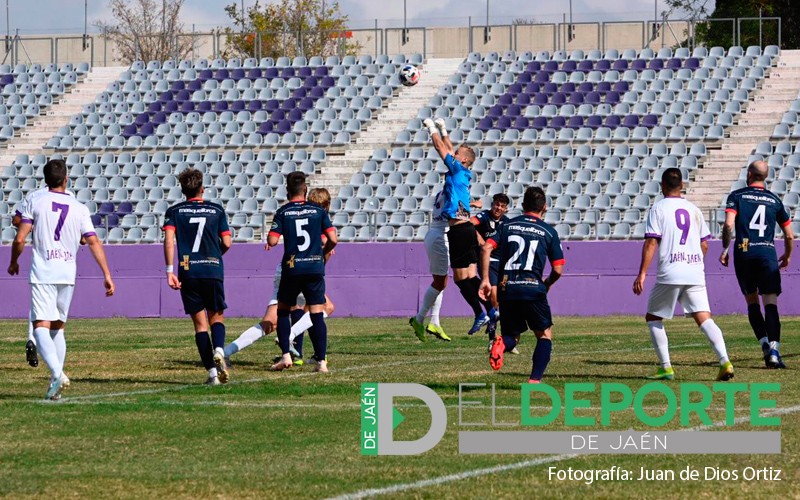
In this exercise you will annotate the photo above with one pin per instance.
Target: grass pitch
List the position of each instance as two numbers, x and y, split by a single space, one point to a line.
137 422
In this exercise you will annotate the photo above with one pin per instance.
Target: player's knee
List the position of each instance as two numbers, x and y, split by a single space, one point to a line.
439 282
770 299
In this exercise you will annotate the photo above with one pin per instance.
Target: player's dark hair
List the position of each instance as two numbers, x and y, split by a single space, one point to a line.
672 178
534 200
502 198
55 173
191 181
295 184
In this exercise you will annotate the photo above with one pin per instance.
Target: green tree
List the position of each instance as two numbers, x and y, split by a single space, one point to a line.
288 28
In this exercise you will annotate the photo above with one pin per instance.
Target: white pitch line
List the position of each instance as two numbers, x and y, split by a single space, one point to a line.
397 488
176 388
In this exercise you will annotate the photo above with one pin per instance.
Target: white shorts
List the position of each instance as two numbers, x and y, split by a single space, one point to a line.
301 300
50 302
438 252
663 298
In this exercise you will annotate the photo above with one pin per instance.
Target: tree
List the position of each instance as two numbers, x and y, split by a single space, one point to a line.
288 28
147 30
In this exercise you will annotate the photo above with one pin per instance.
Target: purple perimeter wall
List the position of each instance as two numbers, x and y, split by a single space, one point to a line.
370 279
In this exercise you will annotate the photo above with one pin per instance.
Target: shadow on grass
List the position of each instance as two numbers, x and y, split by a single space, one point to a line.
90 380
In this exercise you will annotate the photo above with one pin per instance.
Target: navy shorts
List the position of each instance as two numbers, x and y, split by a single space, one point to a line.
758 275
312 286
521 315
463 242
203 294
494 272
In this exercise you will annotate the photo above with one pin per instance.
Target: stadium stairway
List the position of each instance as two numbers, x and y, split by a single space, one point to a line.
712 182
36 135
388 122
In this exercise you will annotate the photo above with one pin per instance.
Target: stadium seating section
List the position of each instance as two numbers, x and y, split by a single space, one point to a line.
594 129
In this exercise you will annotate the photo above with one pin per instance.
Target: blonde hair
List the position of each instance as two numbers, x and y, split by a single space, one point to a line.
321 197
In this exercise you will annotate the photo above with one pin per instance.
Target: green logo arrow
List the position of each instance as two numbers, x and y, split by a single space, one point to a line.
397 418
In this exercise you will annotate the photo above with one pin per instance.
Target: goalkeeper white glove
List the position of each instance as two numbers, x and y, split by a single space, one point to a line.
430 125
439 122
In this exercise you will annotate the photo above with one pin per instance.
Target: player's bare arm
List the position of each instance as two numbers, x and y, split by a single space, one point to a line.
486 286
272 240
555 274
727 235
225 243
169 259
18 246
788 245
331 241
648 251
93 242
704 247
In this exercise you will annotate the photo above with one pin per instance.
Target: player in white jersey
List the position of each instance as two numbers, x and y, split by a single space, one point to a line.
677 229
57 222
31 356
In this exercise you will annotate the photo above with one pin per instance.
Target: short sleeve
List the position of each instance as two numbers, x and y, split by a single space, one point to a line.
555 252
327 225
224 230
21 206
705 233
169 220
277 225
26 210
782 217
87 228
453 165
653 227
732 204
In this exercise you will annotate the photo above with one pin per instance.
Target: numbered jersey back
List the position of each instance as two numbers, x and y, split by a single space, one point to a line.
680 228
302 225
757 211
59 221
198 227
524 244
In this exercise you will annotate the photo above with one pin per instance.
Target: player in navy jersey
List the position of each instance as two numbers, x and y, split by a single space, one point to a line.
302 226
487 223
201 231
461 235
524 243
754 211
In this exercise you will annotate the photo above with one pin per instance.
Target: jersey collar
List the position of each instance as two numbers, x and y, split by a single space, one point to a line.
531 214
756 186
195 199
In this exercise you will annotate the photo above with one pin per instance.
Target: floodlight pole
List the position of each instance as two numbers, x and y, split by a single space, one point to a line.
8 28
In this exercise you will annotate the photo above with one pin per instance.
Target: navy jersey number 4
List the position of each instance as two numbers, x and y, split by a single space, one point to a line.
757 210
302 225
198 227
524 244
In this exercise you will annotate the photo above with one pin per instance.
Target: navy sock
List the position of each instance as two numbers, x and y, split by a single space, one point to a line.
470 294
204 348
510 343
773 321
218 335
756 321
284 329
541 356
298 341
320 338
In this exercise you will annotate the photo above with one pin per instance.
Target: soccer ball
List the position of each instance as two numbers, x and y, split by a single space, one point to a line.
409 75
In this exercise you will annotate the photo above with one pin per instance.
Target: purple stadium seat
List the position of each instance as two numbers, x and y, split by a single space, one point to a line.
166 96
539 122
631 121
524 77
204 106
305 103
254 73
533 67
586 66
187 107
153 107
504 100
205 74
295 115
594 121
105 208
558 122
542 77
604 87
147 129
692 63
321 71
620 65
270 73
300 92
284 127
603 65
514 89
194 85
311 82
142 119
160 117
178 85
540 99
621 86
673 64
222 74
113 220
550 67
568 88
130 130
254 106
495 111
612 121
327 82
221 106
97 220
612 97
288 104
288 72
265 128
533 88
558 98
649 121
585 87
656 64
576 98
521 123
485 124
124 208
317 92
272 105
304 72
569 66
513 110
7 80
237 74
504 123
237 106
575 122
639 64
523 99
549 88
183 95
592 98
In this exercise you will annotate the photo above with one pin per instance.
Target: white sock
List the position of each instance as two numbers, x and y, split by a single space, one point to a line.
764 341
714 335
61 345
775 345
212 373
247 338
47 350
31 336
437 306
658 335
428 301
302 324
